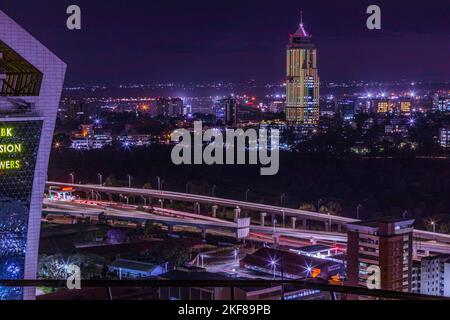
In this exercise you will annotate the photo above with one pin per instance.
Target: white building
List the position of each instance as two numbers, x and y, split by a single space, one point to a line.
444 138
131 269
435 276
31 80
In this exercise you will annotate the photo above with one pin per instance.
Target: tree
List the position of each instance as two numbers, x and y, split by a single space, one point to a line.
147 186
151 228
111 181
307 207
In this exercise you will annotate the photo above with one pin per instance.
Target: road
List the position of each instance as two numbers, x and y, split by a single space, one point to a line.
287 237
301 214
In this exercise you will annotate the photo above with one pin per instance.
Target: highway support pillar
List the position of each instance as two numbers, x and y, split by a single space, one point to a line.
293 220
263 218
204 234
214 211
237 214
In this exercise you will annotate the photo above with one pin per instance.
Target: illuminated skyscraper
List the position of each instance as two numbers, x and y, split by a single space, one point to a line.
302 82
31 80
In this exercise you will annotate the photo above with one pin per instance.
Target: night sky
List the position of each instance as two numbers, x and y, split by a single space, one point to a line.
152 41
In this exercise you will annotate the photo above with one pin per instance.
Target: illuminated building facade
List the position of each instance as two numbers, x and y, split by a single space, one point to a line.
31 80
386 243
302 82
444 137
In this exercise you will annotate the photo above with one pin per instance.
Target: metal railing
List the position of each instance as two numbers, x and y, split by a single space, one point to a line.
293 284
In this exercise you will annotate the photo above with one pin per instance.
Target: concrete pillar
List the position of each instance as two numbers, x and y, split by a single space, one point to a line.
214 211
263 218
204 234
294 220
237 214
276 239
339 227
305 223
327 226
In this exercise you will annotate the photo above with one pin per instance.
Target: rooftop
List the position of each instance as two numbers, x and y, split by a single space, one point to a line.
133 265
375 223
300 266
188 276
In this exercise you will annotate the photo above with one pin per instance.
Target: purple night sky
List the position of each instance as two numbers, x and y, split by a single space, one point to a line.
230 40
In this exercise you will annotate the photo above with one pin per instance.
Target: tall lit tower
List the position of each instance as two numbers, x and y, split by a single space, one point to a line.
302 81
31 81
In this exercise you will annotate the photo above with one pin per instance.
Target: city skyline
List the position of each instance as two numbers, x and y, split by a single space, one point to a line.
267 182
201 42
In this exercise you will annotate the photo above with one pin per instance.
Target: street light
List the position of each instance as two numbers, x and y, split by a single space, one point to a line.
273 263
159 183
129 181
358 208
187 187
319 203
246 195
72 175
100 179
283 196
433 224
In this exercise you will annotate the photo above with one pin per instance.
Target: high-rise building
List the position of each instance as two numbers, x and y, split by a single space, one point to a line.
168 107
31 80
75 110
435 276
302 82
227 111
385 243
444 137
347 108
441 103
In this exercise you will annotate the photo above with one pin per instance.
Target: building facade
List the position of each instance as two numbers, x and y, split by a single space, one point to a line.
444 137
435 276
302 81
31 80
384 243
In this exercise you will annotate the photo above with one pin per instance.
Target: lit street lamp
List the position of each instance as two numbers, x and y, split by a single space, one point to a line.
72 175
100 179
129 181
433 224
273 263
